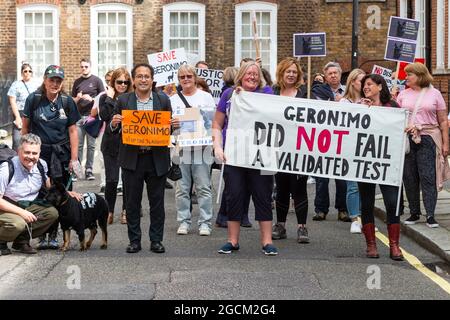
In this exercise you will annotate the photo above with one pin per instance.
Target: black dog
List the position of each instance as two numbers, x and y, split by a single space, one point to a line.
80 215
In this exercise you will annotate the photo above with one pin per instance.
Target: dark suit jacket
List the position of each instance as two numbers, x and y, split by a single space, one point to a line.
322 91
128 154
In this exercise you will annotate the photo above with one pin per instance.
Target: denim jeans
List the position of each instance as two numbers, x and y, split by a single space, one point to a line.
90 145
201 175
353 203
322 200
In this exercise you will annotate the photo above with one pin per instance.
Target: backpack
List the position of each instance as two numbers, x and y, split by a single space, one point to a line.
6 154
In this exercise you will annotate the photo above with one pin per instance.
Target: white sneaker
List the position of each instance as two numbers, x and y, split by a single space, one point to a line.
183 230
204 231
355 227
311 180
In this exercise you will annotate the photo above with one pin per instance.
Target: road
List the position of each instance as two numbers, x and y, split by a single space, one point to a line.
332 266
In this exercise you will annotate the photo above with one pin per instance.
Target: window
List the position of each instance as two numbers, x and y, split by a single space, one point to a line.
37 37
184 27
404 8
111 38
420 14
440 32
266 22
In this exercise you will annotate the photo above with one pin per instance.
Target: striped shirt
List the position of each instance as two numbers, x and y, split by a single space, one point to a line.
24 185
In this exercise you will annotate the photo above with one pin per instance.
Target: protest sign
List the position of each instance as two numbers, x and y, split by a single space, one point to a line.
214 81
320 138
403 28
146 128
196 126
399 50
166 65
384 72
310 44
387 75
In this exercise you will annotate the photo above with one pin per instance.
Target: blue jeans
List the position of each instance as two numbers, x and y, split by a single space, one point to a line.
201 175
322 200
90 145
353 203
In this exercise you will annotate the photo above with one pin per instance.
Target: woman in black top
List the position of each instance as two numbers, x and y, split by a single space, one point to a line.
374 92
289 79
120 83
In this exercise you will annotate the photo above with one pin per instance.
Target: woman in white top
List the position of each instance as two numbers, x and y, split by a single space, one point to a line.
192 163
18 93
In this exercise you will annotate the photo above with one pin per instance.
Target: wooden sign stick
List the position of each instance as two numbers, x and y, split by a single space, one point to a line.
255 36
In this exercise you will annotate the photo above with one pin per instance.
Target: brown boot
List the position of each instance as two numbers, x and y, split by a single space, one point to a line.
369 232
123 217
394 235
110 218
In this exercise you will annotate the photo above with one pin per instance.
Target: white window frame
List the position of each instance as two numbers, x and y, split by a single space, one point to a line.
20 30
404 8
258 6
117 7
420 14
440 34
185 6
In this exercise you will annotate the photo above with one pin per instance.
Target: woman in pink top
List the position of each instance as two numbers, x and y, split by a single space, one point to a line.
428 138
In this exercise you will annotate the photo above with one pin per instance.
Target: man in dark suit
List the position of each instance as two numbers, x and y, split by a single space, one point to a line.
143 164
332 90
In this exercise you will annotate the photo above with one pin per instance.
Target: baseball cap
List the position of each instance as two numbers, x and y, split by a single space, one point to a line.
54 71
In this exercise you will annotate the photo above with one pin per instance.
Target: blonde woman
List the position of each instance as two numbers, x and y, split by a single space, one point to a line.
352 94
238 180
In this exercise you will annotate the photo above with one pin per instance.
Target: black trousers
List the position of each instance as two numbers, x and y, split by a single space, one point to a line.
133 181
367 194
112 170
288 184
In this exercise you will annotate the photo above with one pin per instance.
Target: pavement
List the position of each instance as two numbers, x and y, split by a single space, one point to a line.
435 240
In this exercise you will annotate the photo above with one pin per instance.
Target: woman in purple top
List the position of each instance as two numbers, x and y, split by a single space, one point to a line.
239 181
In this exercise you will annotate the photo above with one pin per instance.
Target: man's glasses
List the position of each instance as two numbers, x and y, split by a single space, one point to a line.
188 76
143 76
84 67
27 71
121 82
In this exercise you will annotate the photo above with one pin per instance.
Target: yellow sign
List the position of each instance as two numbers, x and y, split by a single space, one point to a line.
146 128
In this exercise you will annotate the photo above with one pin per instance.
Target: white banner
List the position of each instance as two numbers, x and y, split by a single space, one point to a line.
319 138
166 65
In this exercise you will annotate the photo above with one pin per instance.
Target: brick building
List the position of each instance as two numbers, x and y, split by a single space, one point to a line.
434 38
123 32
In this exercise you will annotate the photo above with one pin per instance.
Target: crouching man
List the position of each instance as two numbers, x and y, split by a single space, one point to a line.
23 213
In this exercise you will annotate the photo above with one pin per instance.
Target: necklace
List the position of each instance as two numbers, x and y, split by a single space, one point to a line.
54 104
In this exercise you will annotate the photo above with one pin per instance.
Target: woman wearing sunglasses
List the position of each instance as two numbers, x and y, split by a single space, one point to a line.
120 83
18 93
193 170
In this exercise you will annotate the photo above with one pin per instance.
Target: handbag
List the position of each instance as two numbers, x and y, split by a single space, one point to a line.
411 121
93 126
174 172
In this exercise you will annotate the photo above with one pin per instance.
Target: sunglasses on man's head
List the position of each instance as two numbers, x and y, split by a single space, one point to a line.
120 82
27 71
188 76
